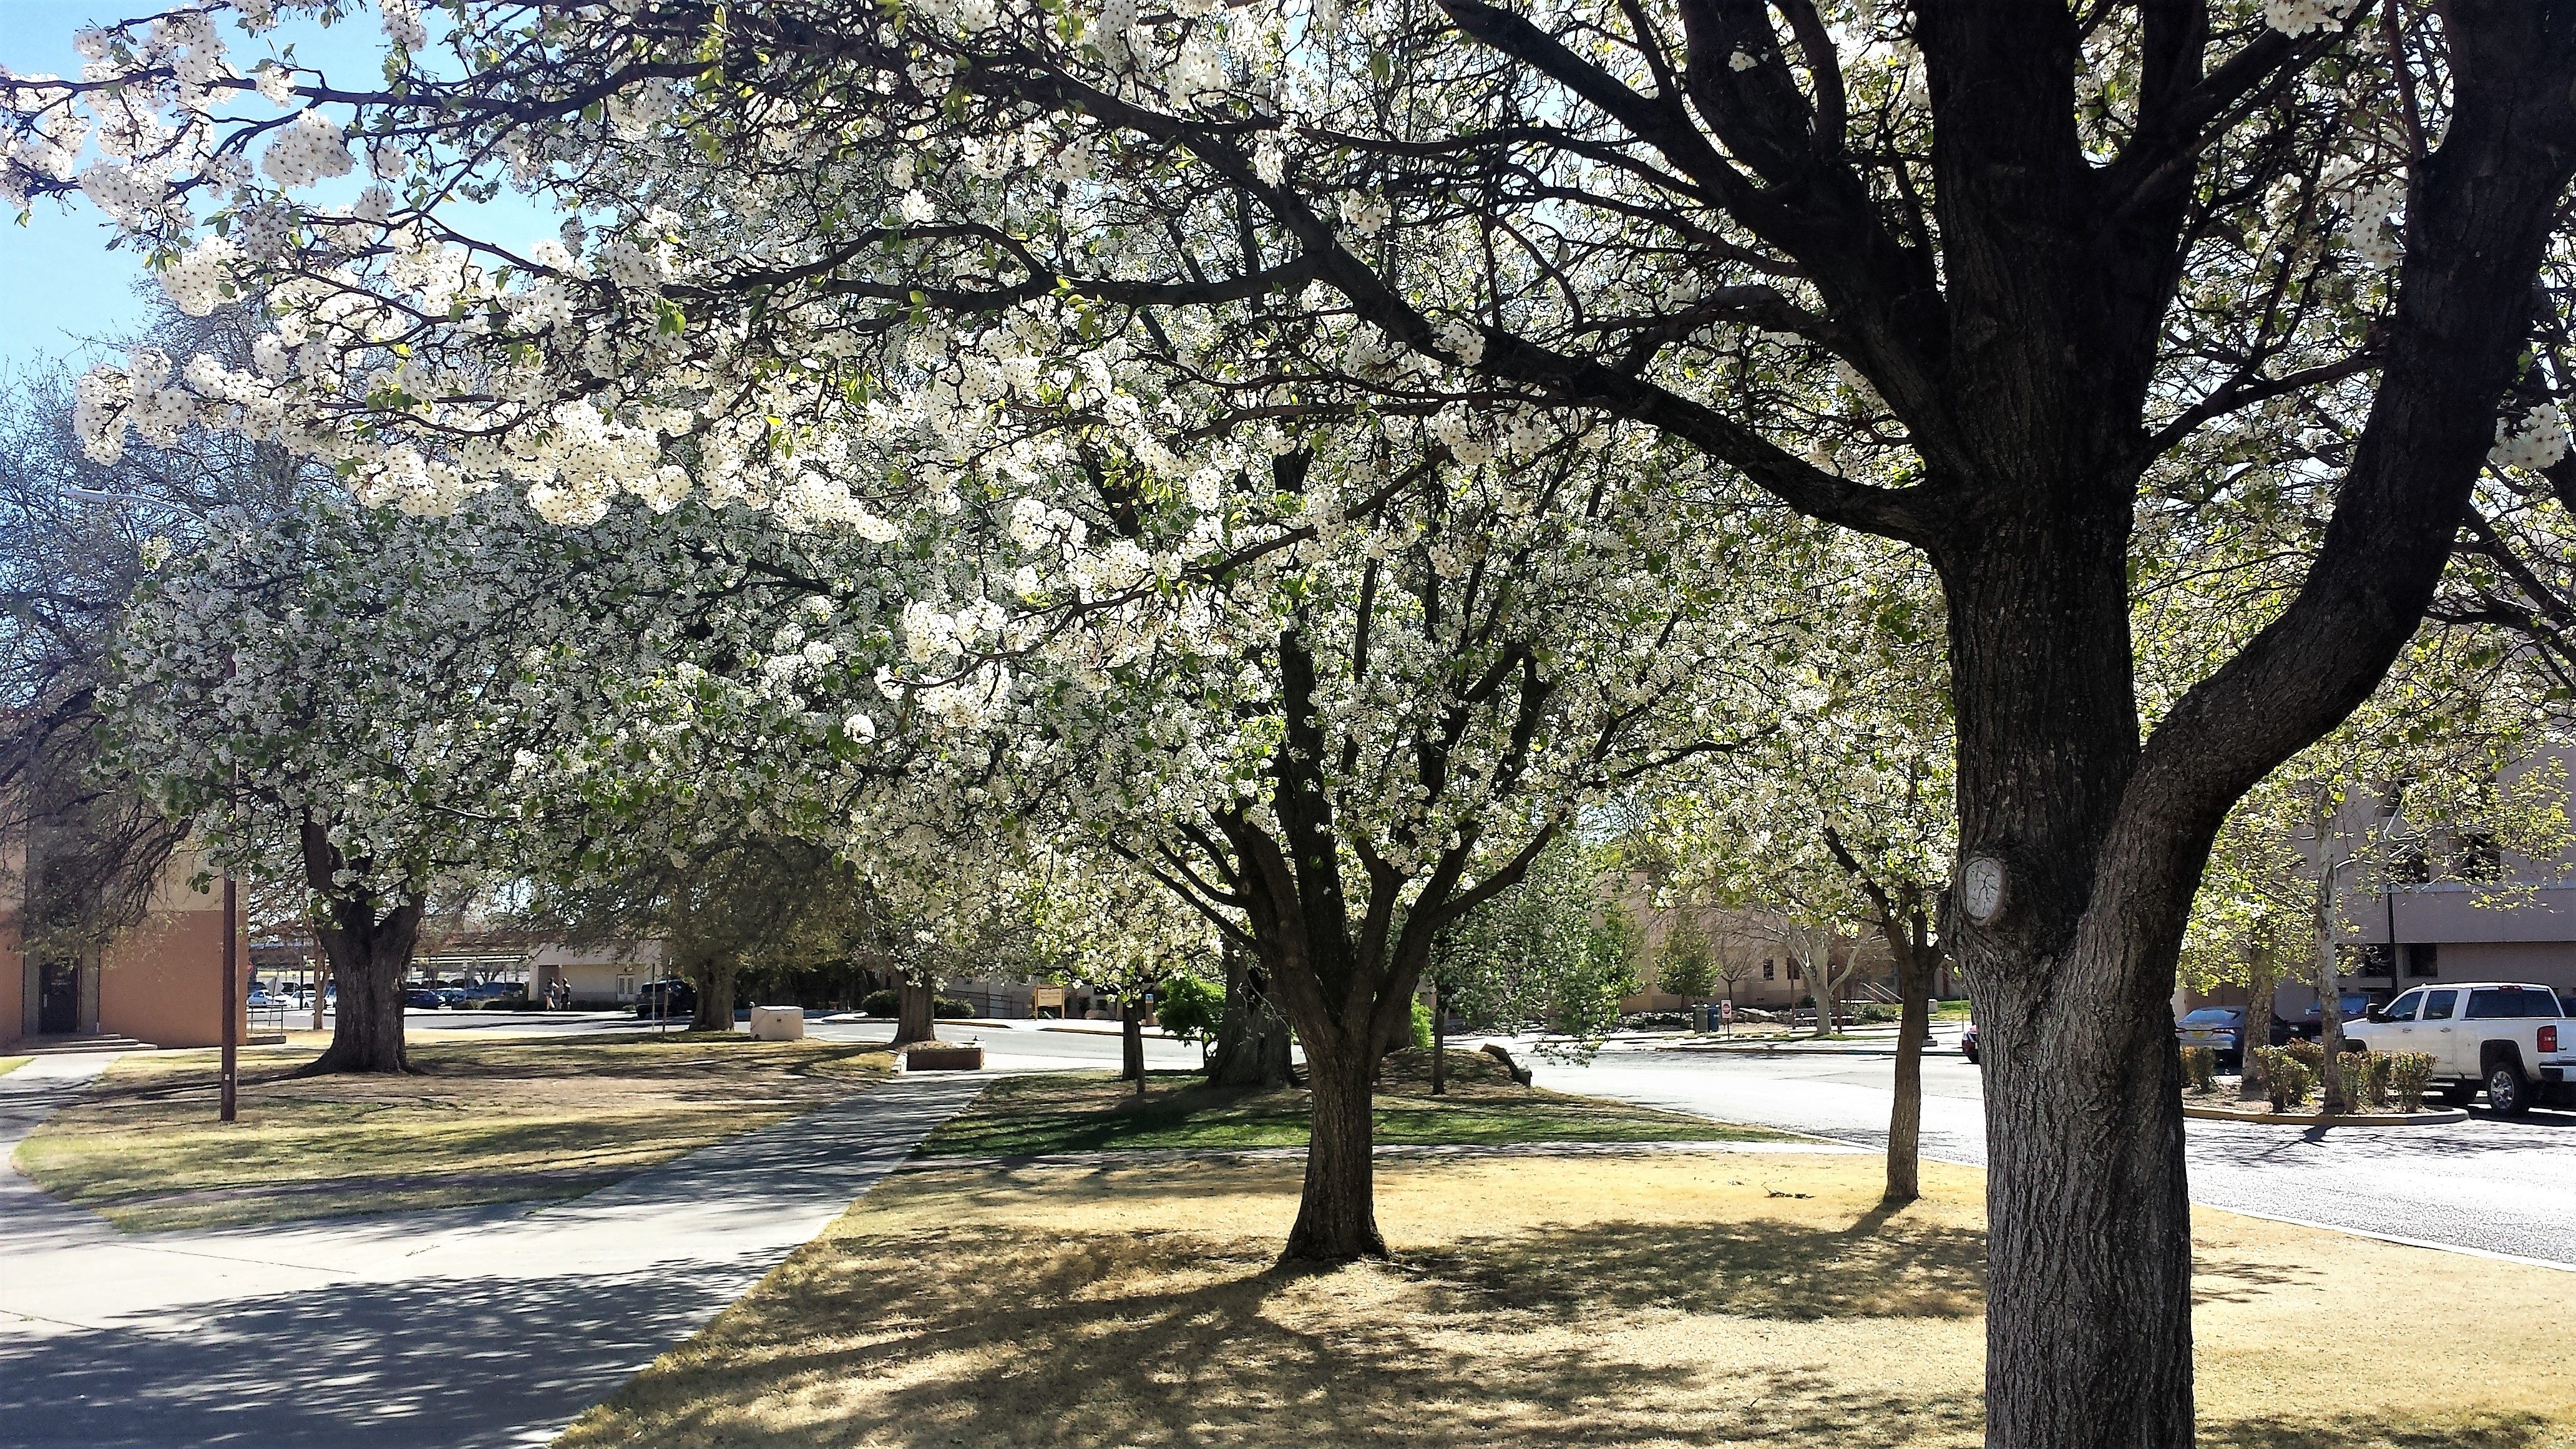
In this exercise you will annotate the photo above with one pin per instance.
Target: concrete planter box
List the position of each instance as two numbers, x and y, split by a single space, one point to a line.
943 1057
778 1023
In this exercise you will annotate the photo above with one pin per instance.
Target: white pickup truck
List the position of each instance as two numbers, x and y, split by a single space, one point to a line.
2514 1039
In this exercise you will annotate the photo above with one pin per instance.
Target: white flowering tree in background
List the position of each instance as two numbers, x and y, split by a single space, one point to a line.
1842 817
1097 919
327 695
1996 281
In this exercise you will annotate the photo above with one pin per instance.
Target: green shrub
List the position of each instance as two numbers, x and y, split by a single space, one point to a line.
2285 1076
2309 1054
881 1003
506 1003
2409 1075
2200 1068
1878 1011
1421 1024
2366 1076
950 1006
1190 1007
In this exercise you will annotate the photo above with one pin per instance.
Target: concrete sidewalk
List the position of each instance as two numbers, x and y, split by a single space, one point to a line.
466 1327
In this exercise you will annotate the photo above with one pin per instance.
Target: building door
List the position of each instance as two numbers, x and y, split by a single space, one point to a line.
58 998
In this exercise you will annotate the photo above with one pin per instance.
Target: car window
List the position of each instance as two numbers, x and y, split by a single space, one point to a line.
2506 1003
2438 1005
2403 1008
2210 1016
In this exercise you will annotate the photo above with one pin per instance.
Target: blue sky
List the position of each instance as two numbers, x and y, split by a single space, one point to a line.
59 283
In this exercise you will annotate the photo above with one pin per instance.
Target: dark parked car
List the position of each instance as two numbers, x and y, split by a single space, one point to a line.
668 997
1968 1045
2220 1028
2310 1024
421 998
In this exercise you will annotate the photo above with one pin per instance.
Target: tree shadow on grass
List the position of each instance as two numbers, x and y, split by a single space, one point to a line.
2378 1431
1155 1339
1760 1268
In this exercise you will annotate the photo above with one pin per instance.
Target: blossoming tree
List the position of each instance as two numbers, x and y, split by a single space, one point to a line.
1980 278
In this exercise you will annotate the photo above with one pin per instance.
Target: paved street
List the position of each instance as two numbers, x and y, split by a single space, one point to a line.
2487 1184
1009 1046
465 1327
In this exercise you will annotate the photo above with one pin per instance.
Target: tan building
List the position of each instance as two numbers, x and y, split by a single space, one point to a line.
159 981
1761 951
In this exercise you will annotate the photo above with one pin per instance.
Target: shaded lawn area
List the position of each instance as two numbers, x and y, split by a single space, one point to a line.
1087 1112
1743 1300
485 1121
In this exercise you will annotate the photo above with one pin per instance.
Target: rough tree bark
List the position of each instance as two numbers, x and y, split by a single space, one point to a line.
367 942
1905 919
915 1019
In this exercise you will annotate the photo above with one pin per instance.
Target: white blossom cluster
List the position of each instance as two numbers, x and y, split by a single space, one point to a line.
2534 444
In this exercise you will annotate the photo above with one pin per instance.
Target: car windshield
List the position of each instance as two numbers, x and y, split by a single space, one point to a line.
2211 1016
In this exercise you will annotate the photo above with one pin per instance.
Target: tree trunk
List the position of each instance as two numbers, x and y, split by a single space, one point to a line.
715 982
2258 1031
2335 1099
914 1018
1337 1212
2088 1328
368 948
1439 1044
1251 1037
1131 1041
1905 1116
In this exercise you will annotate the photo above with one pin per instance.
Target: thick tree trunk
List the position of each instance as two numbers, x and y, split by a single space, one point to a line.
715 983
914 1018
1337 1213
1131 1041
368 946
1905 1117
2088 1329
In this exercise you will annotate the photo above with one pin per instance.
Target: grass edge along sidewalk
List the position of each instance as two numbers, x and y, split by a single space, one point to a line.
1533 1301
520 1119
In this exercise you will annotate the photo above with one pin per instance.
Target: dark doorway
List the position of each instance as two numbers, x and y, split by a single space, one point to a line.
58 998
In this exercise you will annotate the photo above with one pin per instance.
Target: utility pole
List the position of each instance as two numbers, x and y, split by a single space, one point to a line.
232 996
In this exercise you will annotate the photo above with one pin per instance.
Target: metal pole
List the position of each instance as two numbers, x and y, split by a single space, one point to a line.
232 997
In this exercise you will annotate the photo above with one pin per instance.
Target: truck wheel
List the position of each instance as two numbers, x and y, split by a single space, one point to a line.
2507 1092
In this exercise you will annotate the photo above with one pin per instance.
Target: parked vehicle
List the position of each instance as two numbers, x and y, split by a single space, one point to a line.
1968 1046
2515 1040
421 998
667 997
2220 1028
2310 1024
454 996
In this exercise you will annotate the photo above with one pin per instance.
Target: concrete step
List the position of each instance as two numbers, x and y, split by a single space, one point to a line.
58 1046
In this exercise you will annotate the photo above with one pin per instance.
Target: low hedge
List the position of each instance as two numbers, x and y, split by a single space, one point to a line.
2409 1075
2285 1077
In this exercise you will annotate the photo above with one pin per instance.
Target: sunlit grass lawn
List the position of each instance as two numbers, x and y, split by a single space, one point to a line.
1032 1116
485 1121
11 1064
1733 1300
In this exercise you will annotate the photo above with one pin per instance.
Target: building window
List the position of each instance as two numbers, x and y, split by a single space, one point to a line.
1766 970
2424 958
1793 971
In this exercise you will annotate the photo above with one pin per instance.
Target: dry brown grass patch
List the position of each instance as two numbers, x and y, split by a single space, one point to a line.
1734 1300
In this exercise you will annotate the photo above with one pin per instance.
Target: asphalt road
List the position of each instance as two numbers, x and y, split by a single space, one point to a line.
1014 1046
2488 1185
